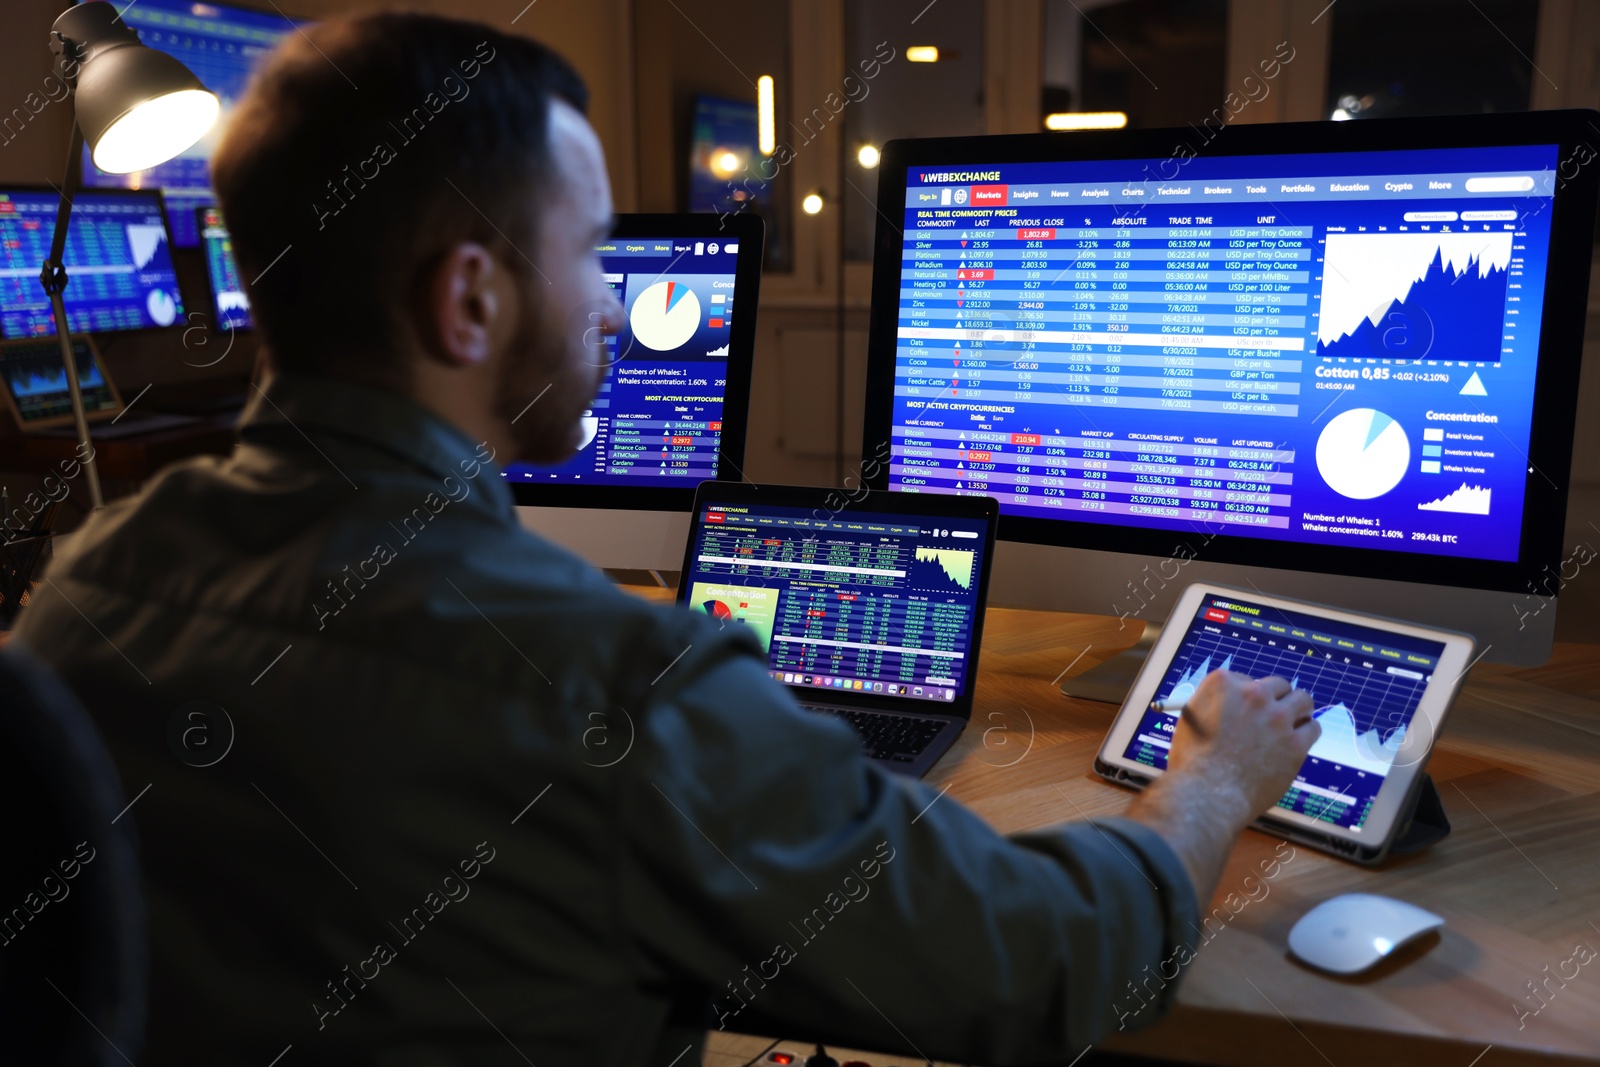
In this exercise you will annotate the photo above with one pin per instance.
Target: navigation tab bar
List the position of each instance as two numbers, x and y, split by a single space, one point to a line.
726 518
1332 643
634 249
1237 190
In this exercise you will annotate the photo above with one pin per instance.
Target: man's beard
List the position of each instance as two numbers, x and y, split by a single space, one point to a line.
542 390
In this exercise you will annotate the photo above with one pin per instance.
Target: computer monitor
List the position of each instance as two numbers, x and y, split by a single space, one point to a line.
1333 360
118 259
229 303
671 411
222 44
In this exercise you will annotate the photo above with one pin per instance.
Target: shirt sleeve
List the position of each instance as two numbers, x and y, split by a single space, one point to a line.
764 856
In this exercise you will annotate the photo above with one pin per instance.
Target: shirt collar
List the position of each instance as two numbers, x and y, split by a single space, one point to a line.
309 406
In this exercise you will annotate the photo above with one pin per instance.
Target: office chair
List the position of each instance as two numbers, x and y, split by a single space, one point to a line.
73 952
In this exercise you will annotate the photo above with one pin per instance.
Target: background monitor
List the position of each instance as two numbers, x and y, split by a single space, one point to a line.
1331 360
671 410
222 44
723 143
229 303
118 260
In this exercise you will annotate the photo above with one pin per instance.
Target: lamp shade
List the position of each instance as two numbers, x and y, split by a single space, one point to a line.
136 107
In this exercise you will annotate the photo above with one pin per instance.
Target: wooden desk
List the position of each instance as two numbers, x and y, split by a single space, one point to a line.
1517 880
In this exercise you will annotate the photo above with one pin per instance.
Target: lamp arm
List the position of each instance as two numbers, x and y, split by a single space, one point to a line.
53 276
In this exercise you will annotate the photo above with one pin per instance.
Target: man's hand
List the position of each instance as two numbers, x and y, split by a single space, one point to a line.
1235 752
1250 735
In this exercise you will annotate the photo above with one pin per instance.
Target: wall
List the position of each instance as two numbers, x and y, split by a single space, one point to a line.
593 34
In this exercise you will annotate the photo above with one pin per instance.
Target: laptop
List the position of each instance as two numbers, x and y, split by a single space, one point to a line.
870 605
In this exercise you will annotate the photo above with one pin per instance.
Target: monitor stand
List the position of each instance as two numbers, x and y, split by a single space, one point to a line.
1110 681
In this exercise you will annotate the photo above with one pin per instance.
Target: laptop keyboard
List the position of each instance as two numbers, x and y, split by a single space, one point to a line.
896 738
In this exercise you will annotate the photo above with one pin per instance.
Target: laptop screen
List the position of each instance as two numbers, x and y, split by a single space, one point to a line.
870 603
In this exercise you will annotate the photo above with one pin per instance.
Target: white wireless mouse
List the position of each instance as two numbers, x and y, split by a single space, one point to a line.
1349 933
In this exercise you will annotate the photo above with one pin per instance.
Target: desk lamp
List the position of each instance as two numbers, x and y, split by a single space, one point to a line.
135 107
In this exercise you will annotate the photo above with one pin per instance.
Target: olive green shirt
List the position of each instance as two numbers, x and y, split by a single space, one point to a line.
424 788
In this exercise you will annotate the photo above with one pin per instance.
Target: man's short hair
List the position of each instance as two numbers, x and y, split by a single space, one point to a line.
364 149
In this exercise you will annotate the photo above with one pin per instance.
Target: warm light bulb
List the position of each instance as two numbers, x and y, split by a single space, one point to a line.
812 204
725 163
766 116
868 156
156 131
922 53
1086 120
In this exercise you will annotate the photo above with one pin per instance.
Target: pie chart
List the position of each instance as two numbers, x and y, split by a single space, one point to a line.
1362 454
162 308
665 316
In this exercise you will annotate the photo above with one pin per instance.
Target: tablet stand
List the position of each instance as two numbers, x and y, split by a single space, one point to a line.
1425 823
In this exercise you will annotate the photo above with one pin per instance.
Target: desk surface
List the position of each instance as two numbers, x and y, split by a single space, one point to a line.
1517 880
133 458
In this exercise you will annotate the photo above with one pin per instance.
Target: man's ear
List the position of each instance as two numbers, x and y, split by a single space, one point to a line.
466 299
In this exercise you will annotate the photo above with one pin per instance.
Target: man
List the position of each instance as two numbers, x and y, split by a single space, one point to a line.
425 789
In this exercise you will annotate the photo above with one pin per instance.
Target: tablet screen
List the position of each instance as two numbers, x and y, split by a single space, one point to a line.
1365 683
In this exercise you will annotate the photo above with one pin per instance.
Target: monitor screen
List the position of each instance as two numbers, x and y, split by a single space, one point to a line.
37 381
1329 350
221 45
118 260
228 300
657 419
1365 685
871 603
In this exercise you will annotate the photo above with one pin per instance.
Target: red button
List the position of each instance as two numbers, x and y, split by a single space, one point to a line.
989 194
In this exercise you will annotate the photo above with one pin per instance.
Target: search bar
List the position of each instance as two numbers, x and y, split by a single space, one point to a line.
1517 184
964 533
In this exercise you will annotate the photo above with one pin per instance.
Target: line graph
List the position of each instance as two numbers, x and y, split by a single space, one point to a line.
144 241
1408 296
955 562
1467 500
1363 711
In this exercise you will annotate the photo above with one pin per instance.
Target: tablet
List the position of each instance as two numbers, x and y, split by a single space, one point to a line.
1380 687
33 382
